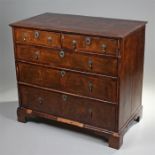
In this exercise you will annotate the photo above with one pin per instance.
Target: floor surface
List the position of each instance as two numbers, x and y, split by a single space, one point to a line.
34 138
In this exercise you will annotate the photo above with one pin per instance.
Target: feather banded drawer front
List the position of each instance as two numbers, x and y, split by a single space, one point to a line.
82 71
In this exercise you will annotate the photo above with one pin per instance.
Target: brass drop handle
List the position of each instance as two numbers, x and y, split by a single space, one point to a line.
36 55
24 36
49 39
90 64
88 40
61 54
103 47
62 73
64 97
90 86
40 100
36 34
74 44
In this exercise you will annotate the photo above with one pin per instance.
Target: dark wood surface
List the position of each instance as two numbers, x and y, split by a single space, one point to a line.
101 88
131 75
95 44
82 71
44 38
99 26
70 107
68 59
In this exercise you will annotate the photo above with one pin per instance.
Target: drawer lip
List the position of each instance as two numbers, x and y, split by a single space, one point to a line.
67 93
94 53
36 45
67 69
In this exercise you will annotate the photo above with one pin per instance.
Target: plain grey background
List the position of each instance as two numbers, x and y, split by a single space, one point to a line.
46 139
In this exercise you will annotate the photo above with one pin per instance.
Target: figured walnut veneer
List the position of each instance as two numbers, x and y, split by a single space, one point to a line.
82 71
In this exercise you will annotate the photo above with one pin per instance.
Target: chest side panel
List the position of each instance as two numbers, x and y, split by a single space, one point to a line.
131 75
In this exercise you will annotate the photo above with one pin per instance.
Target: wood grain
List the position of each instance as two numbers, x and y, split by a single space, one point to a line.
82 71
97 26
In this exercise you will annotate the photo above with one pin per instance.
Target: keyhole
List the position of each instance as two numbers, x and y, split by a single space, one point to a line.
90 86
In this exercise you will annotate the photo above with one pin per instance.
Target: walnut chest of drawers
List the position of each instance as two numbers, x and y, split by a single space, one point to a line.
82 71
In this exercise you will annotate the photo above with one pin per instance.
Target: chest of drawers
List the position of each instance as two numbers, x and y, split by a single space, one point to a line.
82 71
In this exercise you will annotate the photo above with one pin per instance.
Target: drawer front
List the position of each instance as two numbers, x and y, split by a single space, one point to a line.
96 87
50 39
78 109
91 44
67 59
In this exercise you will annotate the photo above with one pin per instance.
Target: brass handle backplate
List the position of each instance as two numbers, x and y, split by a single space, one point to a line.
36 34
49 39
24 36
103 47
36 55
64 97
90 64
62 73
61 54
74 44
90 86
88 40
40 100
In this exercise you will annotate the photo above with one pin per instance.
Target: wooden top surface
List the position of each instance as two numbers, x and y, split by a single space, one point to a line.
98 26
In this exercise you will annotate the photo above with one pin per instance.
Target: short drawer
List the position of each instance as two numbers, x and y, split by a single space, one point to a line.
102 88
50 39
68 59
79 109
91 44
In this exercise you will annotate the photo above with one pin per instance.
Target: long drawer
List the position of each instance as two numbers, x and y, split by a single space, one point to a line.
87 111
103 88
67 59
